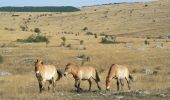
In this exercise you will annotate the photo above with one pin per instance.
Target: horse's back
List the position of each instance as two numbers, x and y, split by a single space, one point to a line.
120 71
50 68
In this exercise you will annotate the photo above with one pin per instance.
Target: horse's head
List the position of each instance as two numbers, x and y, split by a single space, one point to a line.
38 63
108 83
68 69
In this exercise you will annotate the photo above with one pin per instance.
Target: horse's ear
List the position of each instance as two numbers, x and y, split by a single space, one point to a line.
36 61
42 63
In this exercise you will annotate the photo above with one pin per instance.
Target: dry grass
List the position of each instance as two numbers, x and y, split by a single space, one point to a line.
19 57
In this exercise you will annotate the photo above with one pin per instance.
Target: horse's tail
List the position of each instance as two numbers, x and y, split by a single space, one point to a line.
97 77
131 78
59 72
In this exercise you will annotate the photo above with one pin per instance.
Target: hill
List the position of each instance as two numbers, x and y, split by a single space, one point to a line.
39 9
139 35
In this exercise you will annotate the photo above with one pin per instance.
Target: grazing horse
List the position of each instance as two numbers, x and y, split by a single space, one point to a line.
82 73
46 73
118 72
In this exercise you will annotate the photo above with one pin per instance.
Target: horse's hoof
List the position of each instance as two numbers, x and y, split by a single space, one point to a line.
79 90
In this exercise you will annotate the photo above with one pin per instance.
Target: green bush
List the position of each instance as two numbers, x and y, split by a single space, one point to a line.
1 59
33 38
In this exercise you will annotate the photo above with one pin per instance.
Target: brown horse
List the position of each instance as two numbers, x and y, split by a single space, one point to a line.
82 73
118 72
46 73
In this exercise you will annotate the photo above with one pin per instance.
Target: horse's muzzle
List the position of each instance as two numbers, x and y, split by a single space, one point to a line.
65 74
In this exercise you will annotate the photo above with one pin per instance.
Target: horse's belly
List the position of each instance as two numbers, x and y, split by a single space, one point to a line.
49 76
86 76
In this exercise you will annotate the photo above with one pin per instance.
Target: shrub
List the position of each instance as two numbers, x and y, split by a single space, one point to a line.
64 41
146 42
37 30
9 29
1 59
24 28
134 70
85 28
81 42
89 33
63 38
69 45
95 35
108 39
34 38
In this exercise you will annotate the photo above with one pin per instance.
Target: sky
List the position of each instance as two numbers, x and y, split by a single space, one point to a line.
75 3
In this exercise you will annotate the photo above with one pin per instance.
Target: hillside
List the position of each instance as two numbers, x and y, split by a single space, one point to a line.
140 39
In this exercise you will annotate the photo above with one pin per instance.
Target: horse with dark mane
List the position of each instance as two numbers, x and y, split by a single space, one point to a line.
118 72
82 73
46 73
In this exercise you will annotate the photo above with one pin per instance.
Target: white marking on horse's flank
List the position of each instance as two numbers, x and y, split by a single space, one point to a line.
48 76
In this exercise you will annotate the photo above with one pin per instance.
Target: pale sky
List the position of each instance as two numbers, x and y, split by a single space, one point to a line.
76 3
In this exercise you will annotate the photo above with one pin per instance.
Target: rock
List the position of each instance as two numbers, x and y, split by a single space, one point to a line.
140 49
162 95
4 73
148 71
146 92
119 97
159 46
28 61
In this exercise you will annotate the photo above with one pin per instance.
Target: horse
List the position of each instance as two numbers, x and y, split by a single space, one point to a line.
46 73
118 72
82 73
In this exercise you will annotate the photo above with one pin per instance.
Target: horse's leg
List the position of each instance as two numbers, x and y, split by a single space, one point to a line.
76 81
40 87
90 82
54 85
78 89
50 83
122 84
97 82
128 82
117 84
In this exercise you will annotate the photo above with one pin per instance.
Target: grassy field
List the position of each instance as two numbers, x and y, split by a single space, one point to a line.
131 24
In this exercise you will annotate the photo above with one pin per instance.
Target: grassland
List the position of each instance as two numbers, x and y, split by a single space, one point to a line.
132 24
